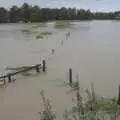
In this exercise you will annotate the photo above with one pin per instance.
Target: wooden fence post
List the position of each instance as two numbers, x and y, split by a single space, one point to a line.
44 66
70 76
37 69
9 78
4 81
118 95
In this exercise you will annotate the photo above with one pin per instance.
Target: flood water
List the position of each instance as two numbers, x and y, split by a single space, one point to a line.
93 50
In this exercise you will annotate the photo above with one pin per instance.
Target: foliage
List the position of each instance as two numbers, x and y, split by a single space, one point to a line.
14 14
47 113
46 33
109 106
92 109
25 30
42 34
34 13
62 24
3 15
40 25
39 37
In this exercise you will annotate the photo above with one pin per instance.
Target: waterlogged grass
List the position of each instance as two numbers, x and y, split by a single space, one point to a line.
46 33
37 34
43 34
92 109
47 112
108 106
28 31
62 24
39 37
25 31
39 25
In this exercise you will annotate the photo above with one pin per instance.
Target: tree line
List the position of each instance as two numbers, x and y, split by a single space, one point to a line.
29 13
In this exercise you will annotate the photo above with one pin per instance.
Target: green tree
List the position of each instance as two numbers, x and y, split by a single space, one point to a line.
35 14
14 14
25 12
3 15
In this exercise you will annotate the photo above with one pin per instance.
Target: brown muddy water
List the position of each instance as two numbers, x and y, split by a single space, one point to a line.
93 50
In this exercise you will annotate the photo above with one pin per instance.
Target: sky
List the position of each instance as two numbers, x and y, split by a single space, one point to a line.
93 5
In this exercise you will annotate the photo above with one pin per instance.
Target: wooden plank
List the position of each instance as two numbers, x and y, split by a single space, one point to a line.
18 68
20 71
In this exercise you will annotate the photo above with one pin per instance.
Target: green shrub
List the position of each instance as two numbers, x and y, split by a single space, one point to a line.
47 113
39 37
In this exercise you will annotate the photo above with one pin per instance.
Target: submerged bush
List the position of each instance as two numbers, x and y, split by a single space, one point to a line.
39 25
90 109
46 33
25 30
47 113
93 108
39 37
62 24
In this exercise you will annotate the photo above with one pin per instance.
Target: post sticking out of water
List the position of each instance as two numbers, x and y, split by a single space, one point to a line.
70 76
53 51
118 95
4 81
93 92
9 78
44 66
37 69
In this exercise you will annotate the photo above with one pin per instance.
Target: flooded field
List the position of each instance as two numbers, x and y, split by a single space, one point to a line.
93 50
